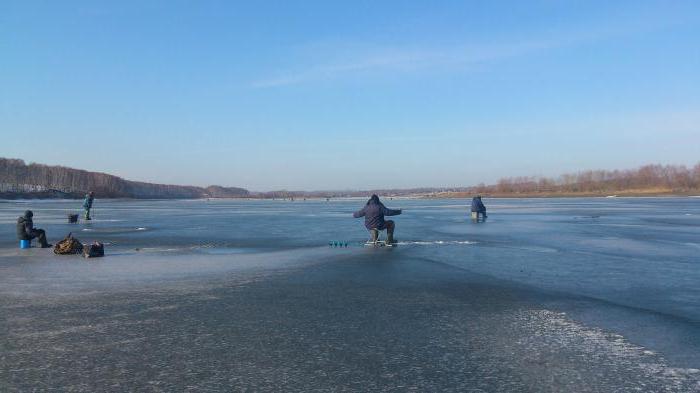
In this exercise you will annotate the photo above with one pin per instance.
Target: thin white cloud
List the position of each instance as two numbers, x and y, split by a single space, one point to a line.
406 60
414 59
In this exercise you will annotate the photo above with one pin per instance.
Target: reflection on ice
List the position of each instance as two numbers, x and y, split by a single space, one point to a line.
48 274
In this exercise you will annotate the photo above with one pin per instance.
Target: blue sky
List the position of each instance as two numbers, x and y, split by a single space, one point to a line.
349 95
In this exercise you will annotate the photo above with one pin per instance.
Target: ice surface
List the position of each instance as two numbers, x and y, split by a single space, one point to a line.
547 295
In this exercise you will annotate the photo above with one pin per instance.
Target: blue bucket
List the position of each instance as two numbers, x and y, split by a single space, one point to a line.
25 244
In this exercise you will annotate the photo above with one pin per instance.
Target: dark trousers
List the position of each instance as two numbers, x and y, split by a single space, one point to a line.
41 235
389 226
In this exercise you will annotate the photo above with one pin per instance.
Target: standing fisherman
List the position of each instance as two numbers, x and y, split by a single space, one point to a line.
87 204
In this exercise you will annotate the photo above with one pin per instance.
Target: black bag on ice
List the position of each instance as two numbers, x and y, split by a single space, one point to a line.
94 250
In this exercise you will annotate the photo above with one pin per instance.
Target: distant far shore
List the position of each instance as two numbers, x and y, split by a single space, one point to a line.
52 195
19 180
602 194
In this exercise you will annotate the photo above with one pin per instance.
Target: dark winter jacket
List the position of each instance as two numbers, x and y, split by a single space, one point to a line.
87 203
374 212
478 206
25 227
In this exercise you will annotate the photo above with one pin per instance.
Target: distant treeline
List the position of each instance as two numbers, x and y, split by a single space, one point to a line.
283 194
652 179
37 180
646 180
19 180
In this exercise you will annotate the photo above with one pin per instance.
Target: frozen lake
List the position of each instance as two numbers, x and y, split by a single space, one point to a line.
584 294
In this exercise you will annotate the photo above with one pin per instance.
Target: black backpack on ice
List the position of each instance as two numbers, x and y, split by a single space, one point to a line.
94 250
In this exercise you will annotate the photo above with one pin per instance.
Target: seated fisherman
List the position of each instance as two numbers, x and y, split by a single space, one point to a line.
26 230
374 212
478 207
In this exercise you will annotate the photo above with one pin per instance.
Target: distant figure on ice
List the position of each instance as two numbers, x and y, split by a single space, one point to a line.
26 230
87 204
374 212
478 209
